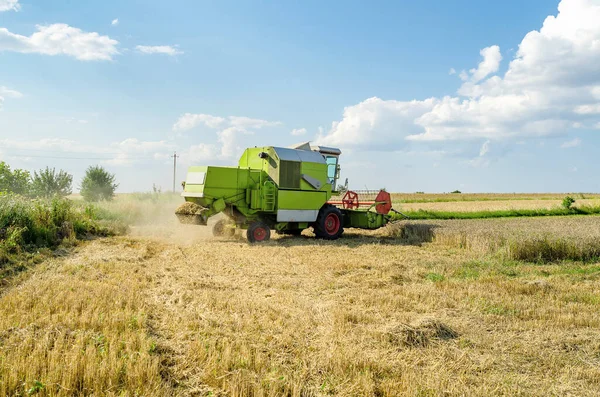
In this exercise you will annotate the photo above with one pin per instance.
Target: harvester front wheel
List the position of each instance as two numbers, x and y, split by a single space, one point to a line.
258 232
329 224
223 228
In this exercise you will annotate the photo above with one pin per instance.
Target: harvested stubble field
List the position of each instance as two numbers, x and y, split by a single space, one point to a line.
494 205
420 308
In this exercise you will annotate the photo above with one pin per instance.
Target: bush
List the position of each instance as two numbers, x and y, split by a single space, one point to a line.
456 192
44 223
98 184
49 183
16 181
31 228
568 202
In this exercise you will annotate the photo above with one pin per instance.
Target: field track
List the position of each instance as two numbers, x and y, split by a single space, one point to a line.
175 312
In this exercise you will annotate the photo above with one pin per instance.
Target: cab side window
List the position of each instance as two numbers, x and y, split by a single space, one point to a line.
331 168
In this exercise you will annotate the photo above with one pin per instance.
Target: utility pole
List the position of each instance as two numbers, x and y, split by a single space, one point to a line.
174 169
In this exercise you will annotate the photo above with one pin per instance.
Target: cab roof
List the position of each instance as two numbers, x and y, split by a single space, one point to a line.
309 156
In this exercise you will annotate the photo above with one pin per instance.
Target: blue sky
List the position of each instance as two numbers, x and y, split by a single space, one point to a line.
420 96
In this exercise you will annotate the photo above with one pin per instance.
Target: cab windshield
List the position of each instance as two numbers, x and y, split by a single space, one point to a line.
331 169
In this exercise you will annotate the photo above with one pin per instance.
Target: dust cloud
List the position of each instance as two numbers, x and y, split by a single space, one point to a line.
156 220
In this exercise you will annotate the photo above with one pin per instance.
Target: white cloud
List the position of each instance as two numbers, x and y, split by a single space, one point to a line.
298 131
61 39
246 122
227 138
572 143
452 71
485 148
551 86
482 160
50 144
73 120
490 64
115 22
377 123
159 49
125 152
588 109
7 92
201 153
9 5
189 121
131 150
228 131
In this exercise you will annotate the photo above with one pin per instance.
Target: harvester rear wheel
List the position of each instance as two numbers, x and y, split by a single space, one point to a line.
223 228
329 224
258 232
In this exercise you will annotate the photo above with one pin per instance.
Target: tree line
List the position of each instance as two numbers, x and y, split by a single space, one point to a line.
97 184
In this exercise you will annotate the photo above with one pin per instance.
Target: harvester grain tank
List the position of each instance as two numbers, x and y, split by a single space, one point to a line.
281 189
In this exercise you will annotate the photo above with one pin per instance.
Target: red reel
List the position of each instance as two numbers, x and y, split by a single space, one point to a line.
385 202
350 200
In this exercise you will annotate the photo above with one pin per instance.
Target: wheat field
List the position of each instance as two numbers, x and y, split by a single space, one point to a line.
475 197
416 309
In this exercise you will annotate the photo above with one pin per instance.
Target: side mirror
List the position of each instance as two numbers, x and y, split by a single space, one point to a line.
337 171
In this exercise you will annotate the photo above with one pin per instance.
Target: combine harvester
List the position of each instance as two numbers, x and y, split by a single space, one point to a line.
281 189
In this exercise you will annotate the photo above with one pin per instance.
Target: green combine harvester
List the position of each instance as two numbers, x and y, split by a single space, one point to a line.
281 189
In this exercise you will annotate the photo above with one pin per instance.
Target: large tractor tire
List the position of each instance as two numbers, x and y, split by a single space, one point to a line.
258 232
329 225
223 228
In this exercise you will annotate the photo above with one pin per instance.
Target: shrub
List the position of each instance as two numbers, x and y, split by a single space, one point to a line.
98 184
568 202
456 192
49 183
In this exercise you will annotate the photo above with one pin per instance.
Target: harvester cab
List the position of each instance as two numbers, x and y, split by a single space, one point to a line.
282 189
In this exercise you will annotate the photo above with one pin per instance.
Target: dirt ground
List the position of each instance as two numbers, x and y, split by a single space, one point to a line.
173 311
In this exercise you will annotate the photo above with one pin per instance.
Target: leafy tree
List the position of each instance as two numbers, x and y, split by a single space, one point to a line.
568 202
49 183
16 181
98 184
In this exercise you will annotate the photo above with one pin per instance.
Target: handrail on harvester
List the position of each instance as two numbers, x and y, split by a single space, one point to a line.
351 201
382 202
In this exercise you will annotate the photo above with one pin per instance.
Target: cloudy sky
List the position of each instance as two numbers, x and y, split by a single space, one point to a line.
420 96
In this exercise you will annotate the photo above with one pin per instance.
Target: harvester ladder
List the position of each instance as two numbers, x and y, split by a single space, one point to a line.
269 192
